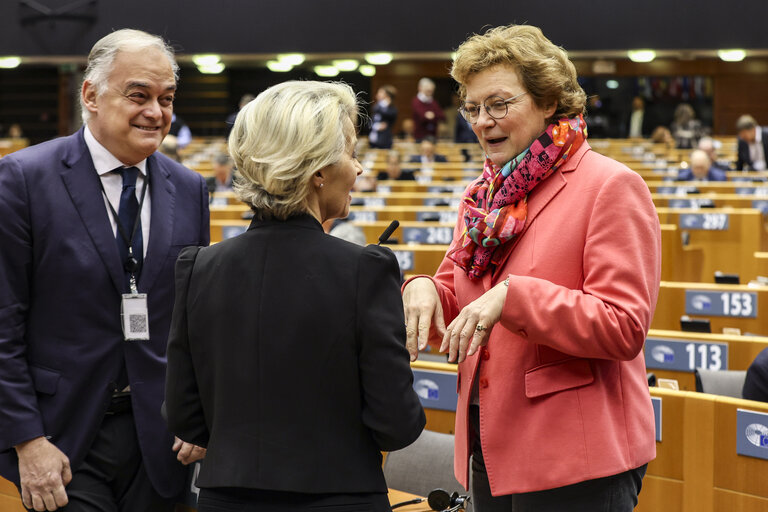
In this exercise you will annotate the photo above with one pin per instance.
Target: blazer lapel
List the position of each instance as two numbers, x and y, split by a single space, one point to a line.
543 194
163 194
82 183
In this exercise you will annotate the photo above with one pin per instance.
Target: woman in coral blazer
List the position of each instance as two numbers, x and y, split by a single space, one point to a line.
547 292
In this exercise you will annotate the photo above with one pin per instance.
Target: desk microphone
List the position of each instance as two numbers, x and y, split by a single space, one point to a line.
409 502
439 499
388 232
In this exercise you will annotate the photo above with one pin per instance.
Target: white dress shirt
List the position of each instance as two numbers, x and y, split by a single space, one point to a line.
105 162
636 124
756 152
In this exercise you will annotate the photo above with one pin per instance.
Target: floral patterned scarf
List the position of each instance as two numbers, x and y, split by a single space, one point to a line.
496 205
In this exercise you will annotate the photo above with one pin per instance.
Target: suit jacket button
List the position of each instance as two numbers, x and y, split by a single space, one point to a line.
485 355
483 382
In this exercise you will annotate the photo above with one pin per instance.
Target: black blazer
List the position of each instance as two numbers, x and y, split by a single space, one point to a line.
303 389
743 151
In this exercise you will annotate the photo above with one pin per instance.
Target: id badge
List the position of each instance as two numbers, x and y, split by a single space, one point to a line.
135 316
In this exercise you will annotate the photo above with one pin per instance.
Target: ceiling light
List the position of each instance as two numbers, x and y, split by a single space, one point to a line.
367 70
326 71
9 62
279 66
641 55
294 59
345 64
206 60
734 55
211 69
378 59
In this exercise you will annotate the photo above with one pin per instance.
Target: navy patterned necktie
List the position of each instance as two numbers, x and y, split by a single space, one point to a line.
126 216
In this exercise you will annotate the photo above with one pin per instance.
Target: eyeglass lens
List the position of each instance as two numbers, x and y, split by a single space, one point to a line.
495 106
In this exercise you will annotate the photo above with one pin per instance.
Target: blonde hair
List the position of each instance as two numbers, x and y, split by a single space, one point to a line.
281 138
103 54
544 69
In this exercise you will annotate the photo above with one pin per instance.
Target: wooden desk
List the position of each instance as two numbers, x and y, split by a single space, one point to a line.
696 466
679 262
729 237
9 497
396 497
672 305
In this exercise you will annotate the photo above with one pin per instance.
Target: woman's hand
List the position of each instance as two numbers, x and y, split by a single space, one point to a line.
423 315
474 323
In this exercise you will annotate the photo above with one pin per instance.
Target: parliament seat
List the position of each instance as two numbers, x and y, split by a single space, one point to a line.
724 383
423 466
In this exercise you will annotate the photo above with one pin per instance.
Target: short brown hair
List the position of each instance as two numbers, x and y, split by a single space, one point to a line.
544 69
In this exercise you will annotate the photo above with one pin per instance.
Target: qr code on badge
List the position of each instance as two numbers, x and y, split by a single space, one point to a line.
137 323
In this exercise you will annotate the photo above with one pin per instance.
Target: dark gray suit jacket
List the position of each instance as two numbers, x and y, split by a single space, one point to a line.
743 158
303 387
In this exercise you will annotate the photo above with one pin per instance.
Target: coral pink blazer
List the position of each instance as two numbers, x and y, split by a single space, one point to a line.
562 382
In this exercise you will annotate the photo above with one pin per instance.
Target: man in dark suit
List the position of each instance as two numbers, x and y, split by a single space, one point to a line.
753 144
701 169
756 381
427 153
223 176
91 228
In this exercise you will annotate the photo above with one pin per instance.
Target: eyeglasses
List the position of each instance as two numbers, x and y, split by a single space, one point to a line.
496 107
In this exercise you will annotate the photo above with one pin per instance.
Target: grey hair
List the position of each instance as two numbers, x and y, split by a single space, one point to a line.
426 81
105 50
280 139
745 122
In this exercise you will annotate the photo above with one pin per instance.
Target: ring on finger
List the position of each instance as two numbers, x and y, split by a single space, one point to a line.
480 328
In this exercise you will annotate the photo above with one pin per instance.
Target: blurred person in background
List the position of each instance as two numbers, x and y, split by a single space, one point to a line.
752 145
384 117
427 113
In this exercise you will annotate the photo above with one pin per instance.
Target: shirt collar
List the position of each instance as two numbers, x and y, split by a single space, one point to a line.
103 160
759 136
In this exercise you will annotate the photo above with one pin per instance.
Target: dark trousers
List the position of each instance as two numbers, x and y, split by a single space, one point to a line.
112 476
616 493
253 500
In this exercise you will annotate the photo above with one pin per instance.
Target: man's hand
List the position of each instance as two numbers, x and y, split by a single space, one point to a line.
44 471
188 453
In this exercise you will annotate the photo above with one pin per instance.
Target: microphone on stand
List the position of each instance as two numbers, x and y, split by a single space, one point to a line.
388 232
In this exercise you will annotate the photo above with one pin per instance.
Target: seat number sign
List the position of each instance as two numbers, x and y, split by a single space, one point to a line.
685 356
717 303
